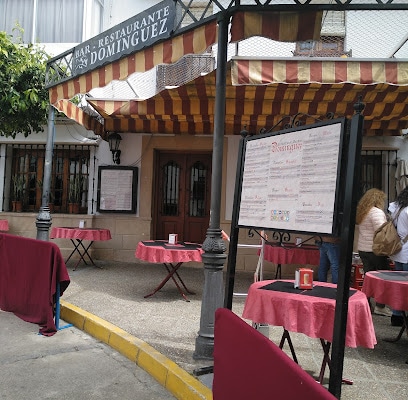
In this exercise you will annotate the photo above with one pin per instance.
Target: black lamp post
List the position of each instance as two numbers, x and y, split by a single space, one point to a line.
114 142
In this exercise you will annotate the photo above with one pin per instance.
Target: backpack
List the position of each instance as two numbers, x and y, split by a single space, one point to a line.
386 241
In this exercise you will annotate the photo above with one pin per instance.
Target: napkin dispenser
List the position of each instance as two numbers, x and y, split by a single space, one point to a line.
173 238
304 278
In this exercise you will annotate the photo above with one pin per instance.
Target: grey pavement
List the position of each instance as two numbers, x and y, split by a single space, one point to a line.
115 293
69 365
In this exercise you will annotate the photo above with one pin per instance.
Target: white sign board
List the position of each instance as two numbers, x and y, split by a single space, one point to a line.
290 179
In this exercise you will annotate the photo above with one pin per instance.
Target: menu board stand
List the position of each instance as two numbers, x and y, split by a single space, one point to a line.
344 195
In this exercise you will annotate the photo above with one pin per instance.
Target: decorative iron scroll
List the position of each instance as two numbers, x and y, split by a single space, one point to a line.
295 121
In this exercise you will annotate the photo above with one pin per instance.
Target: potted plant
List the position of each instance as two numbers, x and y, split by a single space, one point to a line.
18 181
75 193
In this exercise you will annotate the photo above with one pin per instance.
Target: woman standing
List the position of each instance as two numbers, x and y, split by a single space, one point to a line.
401 258
370 216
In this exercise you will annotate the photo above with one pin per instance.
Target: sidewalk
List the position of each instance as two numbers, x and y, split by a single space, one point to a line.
165 327
70 365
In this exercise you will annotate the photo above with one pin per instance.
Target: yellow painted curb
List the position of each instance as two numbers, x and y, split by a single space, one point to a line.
177 381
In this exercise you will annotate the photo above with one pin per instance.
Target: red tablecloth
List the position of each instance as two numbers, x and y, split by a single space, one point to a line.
159 251
29 272
387 287
80 233
4 225
291 254
313 316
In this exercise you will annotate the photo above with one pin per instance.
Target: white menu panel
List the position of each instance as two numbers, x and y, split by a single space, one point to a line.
290 179
117 189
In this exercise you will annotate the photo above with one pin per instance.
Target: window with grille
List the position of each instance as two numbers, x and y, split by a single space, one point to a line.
378 171
69 177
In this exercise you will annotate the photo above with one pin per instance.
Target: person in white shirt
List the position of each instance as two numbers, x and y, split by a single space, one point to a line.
369 217
401 258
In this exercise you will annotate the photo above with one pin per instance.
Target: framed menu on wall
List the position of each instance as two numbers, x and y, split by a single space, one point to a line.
291 179
117 189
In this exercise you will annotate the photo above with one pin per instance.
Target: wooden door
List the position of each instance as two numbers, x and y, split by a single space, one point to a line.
182 194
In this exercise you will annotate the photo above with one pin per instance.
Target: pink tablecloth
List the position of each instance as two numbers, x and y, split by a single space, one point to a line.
291 254
159 251
80 233
4 225
312 316
387 287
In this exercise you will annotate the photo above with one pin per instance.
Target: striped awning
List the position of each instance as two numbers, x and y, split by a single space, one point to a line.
255 101
259 92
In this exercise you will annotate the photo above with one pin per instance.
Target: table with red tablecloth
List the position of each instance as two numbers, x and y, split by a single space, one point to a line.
172 256
290 253
311 312
4 226
391 288
77 236
32 277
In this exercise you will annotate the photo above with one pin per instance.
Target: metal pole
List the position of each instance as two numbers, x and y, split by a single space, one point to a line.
214 248
347 238
233 245
43 222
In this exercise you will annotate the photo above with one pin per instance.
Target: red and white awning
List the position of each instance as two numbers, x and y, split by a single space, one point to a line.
259 92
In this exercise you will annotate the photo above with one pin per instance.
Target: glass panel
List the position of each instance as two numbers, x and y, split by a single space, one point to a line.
198 175
17 11
59 21
171 184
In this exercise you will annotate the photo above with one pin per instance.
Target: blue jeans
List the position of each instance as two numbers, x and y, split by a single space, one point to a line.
399 267
329 259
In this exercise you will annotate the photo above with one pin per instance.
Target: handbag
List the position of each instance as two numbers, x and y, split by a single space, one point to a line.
386 241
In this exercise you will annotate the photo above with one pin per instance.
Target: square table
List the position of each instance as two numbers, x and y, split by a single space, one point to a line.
172 256
311 312
77 236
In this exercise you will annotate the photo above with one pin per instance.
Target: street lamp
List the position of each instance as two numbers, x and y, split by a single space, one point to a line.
114 140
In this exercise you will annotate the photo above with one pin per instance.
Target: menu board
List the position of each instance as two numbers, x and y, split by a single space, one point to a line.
117 189
290 179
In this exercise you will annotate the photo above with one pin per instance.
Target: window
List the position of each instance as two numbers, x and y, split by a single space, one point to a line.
69 176
378 171
52 21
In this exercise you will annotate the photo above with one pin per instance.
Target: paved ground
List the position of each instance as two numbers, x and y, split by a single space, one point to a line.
69 365
170 325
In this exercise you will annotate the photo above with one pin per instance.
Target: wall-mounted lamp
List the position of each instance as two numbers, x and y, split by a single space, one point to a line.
114 142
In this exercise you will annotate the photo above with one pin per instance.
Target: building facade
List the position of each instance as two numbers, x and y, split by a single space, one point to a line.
174 171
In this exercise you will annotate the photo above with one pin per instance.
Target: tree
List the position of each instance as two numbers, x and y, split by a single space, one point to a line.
23 97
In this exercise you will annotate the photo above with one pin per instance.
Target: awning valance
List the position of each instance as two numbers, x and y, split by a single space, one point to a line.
252 71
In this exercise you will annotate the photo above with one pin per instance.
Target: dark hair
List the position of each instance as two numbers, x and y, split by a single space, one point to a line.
402 198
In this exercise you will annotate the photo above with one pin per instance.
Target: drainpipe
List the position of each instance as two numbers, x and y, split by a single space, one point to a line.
214 255
43 222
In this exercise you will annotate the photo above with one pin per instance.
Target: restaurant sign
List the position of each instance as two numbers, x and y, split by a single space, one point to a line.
126 38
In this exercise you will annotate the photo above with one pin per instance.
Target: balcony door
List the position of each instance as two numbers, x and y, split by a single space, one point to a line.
182 195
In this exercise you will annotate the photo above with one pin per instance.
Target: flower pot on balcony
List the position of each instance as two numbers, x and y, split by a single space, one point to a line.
17 205
73 208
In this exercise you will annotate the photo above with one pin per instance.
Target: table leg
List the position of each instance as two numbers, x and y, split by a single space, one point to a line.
286 336
172 270
326 361
82 254
404 327
278 274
